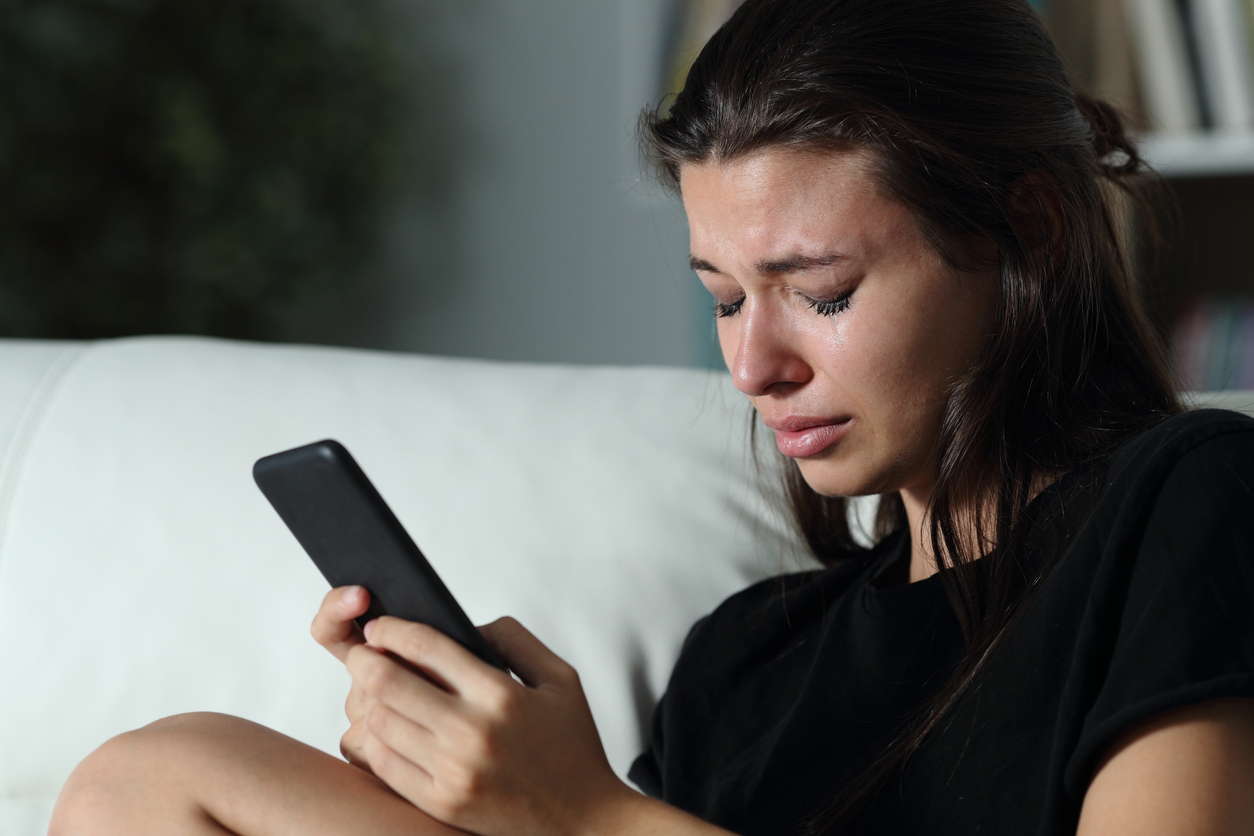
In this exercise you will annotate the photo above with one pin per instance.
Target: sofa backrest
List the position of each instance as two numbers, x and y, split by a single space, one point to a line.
143 574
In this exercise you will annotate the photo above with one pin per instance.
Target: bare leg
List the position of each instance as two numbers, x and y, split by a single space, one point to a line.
214 774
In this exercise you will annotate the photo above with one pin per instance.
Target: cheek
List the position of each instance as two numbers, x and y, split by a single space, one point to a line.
920 343
877 355
891 365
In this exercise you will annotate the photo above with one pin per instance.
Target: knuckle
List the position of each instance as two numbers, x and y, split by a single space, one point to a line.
371 671
566 674
382 761
500 701
349 742
463 788
481 742
447 807
378 678
377 719
507 622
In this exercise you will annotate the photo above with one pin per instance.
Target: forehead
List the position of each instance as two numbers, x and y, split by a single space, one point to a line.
778 166
783 200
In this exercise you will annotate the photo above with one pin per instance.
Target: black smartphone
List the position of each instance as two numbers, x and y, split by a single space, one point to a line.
354 539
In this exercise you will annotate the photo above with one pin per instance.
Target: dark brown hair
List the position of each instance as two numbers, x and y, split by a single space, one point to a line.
974 126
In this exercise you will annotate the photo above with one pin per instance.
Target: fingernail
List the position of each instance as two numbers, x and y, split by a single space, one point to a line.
349 595
369 628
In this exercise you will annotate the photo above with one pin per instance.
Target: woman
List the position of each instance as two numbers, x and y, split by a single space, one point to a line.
905 215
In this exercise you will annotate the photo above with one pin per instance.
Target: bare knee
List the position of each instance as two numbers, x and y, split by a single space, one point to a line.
136 780
94 797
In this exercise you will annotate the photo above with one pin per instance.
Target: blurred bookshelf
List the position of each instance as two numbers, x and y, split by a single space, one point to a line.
1182 73
1200 154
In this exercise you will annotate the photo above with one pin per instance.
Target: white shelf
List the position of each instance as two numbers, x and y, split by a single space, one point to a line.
1211 154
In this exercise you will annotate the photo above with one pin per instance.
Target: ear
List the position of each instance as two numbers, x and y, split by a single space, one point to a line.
1035 210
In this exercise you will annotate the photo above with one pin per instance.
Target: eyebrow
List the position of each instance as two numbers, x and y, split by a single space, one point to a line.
790 264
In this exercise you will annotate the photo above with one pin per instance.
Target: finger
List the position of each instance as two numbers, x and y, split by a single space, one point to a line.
526 655
383 679
355 703
404 776
434 654
350 747
412 741
333 627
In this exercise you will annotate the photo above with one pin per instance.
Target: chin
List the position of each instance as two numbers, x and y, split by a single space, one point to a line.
827 478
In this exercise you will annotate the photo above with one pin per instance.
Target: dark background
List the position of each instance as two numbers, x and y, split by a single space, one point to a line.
453 177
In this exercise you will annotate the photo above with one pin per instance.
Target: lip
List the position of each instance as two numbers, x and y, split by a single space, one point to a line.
800 436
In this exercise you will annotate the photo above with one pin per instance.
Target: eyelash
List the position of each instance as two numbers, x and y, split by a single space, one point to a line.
828 307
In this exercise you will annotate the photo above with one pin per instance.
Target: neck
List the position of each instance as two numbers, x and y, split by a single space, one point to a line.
922 556
922 551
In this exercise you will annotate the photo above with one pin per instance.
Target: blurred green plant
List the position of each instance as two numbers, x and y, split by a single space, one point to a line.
194 166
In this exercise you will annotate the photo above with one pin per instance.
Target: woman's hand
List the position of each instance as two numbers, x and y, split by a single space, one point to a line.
334 628
470 745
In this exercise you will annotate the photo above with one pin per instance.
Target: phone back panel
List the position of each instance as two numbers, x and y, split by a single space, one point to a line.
353 537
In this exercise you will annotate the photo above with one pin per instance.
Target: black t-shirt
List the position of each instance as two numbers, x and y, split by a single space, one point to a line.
797 683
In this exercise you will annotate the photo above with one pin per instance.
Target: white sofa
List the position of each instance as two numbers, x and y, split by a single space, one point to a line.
143 574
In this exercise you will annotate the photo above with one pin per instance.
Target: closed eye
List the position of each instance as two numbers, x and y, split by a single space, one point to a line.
726 309
829 307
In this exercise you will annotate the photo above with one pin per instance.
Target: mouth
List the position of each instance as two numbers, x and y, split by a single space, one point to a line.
800 437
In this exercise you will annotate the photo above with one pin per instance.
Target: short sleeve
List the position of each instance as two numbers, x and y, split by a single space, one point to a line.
1181 626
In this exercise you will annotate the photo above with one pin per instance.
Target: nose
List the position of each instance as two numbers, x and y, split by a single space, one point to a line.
768 356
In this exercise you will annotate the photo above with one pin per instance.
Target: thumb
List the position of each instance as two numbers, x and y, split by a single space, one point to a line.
524 654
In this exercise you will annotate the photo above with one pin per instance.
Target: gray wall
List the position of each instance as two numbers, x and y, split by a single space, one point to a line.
549 245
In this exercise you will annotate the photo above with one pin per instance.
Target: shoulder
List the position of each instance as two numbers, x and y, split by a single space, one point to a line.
1191 476
1209 451
1158 586
1185 438
1200 507
1205 452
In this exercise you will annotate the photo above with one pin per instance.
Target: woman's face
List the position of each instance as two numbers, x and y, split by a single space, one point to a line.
835 316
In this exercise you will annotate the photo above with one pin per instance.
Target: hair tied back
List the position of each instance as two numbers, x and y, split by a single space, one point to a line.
1116 152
